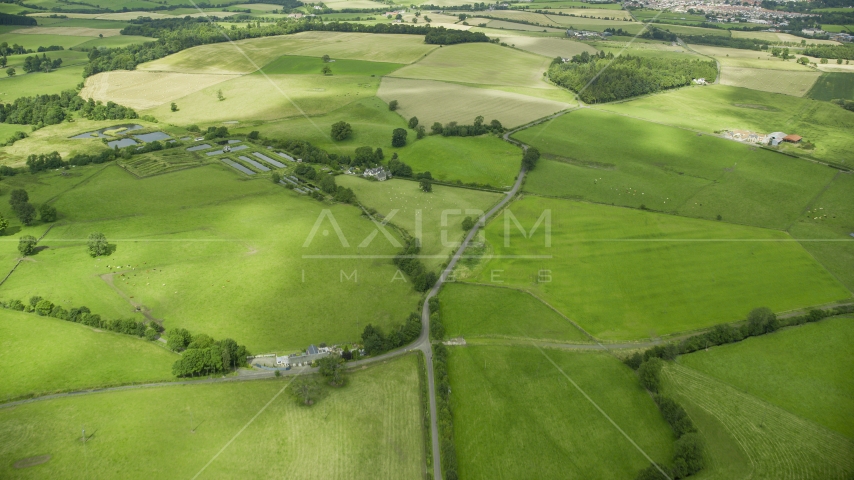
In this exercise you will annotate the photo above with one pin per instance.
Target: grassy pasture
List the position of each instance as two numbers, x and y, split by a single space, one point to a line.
404 196
516 415
571 4
80 22
749 438
645 15
210 247
669 169
625 274
774 81
480 63
442 102
114 42
831 86
517 27
293 64
596 12
74 31
485 159
483 314
283 96
805 370
548 47
142 90
43 355
720 107
370 428
34 41
734 57
825 229
225 58
39 83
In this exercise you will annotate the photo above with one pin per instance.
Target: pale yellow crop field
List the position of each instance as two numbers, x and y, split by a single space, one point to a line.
256 97
70 31
482 64
775 81
547 46
779 37
246 56
734 57
141 90
442 102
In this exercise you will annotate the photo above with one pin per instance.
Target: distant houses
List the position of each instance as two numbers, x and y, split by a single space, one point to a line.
311 355
380 173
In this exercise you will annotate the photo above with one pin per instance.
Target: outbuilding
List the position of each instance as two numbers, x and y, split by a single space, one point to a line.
792 138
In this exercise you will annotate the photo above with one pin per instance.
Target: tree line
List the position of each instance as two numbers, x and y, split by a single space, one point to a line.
625 76
41 64
409 263
443 36
202 355
731 42
45 308
453 129
845 52
49 161
41 110
375 342
444 412
9 19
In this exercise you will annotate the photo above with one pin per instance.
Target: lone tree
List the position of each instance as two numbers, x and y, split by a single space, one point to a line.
27 245
392 105
97 244
174 107
529 160
413 122
219 95
332 367
425 185
326 59
275 177
304 390
420 132
326 70
10 72
4 224
468 223
47 213
398 137
341 130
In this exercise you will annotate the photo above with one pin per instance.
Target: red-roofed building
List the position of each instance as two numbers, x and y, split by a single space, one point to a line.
792 138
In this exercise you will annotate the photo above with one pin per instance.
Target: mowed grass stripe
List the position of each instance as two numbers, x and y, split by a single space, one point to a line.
778 443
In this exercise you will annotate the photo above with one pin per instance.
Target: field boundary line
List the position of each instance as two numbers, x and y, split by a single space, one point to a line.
81 182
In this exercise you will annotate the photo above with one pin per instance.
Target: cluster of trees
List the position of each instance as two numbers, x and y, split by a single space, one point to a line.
731 42
53 109
398 137
339 193
845 52
437 327
41 64
445 418
305 151
617 31
846 104
443 36
655 33
83 315
212 133
202 355
9 19
375 342
529 159
341 131
19 200
452 129
409 263
604 78
42 162
398 168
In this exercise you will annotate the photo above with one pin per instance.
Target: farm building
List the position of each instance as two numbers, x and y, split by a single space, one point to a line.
792 138
775 138
379 173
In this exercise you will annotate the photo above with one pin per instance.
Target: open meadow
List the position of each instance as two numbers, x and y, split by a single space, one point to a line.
669 169
40 83
517 416
484 160
370 428
480 63
547 46
740 58
200 248
746 437
626 274
774 81
719 107
804 369
437 217
444 102
487 314
41 355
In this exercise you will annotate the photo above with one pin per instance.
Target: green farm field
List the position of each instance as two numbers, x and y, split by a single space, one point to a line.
774 81
203 247
444 102
548 47
113 42
485 314
226 58
517 416
295 64
370 428
484 160
739 58
831 86
34 41
40 355
480 63
747 437
718 107
805 370
669 169
39 83
626 274
437 239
